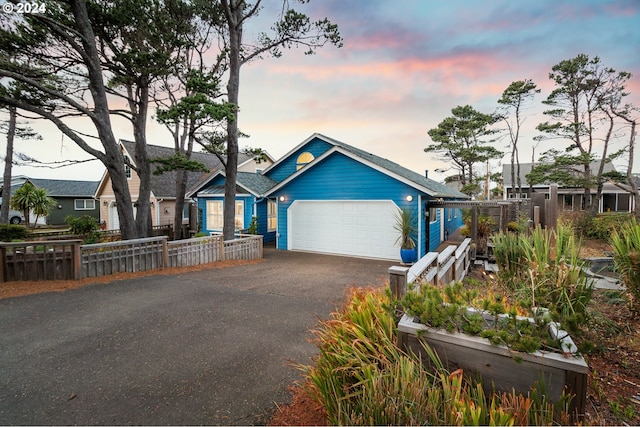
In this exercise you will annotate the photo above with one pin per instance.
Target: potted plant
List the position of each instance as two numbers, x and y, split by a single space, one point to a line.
405 226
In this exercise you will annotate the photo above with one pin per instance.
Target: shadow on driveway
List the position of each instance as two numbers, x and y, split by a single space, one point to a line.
206 347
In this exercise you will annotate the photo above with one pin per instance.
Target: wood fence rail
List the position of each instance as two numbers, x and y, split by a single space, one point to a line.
452 264
70 260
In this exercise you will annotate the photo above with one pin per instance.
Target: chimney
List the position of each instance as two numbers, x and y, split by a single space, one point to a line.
426 173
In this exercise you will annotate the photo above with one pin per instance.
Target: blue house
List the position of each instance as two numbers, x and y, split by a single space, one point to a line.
329 197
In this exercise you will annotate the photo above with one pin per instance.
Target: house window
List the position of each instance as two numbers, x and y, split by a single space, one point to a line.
239 219
84 204
433 214
214 215
449 214
303 160
272 216
127 168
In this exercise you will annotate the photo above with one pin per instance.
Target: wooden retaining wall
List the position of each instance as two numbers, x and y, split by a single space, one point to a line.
476 356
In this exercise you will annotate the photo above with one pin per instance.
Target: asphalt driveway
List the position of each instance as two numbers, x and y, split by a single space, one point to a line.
207 347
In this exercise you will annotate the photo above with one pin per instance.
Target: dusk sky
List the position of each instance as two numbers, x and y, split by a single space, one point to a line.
404 65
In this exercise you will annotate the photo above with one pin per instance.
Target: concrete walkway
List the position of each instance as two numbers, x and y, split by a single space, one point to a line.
208 347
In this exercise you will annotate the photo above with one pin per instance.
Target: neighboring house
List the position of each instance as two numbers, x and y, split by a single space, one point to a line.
329 197
163 187
615 197
75 198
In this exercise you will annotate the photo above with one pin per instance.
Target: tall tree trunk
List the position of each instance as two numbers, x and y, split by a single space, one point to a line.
513 172
139 103
588 205
235 22
633 183
605 149
113 159
8 163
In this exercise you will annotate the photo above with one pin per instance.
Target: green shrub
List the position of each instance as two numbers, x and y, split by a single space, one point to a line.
200 234
626 256
603 225
86 226
81 224
11 232
253 226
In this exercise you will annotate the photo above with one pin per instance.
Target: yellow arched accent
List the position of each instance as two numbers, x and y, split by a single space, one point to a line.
303 159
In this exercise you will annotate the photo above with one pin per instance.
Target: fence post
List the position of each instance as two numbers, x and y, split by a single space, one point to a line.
222 254
398 281
3 261
165 253
76 260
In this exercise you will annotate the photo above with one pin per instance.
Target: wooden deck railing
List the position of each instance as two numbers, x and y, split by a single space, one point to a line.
445 267
69 260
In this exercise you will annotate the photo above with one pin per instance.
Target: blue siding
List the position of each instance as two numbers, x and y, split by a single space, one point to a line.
262 214
455 222
434 233
202 206
288 167
341 178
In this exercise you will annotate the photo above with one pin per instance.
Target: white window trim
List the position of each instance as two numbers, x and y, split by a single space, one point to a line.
272 215
212 219
84 203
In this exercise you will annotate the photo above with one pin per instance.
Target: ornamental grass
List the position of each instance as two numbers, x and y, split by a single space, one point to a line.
626 257
544 270
362 377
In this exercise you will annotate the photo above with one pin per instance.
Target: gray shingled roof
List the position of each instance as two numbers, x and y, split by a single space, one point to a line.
64 188
165 185
257 183
441 190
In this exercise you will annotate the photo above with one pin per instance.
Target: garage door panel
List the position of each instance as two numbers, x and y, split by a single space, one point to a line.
357 228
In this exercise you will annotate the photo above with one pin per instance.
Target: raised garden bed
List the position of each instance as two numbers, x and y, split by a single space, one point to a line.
499 367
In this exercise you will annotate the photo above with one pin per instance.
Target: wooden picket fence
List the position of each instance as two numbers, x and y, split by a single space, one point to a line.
70 260
452 264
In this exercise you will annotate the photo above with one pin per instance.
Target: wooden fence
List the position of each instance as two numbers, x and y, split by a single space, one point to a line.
200 250
45 260
452 264
125 256
69 260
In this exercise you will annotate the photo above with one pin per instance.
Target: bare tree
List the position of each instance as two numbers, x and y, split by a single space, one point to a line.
515 99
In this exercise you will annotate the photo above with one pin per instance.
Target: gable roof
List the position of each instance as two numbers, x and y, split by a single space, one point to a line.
164 185
57 187
420 182
64 188
525 168
255 183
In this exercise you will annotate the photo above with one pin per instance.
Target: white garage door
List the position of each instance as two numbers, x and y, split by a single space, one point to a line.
358 228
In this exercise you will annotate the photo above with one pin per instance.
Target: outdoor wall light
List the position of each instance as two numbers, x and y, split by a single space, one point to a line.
105 203
282 198
409 198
